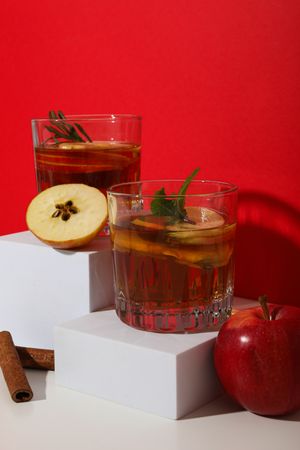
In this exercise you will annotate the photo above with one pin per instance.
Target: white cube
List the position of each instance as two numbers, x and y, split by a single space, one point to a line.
169 375
41 287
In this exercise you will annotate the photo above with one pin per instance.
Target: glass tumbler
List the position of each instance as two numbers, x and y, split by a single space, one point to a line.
98 150
173 255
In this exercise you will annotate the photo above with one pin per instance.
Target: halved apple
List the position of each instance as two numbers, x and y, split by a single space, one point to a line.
67 215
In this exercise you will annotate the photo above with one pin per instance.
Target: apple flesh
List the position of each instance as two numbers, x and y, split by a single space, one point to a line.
257 359
67 216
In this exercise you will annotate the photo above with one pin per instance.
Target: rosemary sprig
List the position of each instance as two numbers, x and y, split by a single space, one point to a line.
63 131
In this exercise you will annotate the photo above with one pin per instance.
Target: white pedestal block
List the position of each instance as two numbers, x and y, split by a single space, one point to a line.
169 375
41 287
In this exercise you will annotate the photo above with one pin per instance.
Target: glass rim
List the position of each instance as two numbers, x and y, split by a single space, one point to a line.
231 188
91 117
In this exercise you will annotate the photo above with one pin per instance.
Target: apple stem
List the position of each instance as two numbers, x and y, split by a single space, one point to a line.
263 300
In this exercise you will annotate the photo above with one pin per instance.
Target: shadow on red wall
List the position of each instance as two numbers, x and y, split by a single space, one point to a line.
268 249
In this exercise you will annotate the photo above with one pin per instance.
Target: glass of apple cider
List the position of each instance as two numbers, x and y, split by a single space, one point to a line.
173 253
97 150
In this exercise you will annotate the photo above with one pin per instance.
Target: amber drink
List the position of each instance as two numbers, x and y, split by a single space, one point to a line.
173 274
103 150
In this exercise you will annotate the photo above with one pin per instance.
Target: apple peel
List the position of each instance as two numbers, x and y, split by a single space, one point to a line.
257 358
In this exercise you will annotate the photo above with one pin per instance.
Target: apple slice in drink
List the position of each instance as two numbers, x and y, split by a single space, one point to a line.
151 223
216 255
188 242
199 219
206 227
208 218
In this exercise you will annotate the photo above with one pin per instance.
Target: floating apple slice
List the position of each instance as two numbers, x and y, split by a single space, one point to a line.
206 227
216 255
152 223
67 215
204 217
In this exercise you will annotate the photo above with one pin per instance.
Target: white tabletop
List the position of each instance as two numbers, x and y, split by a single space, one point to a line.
62 419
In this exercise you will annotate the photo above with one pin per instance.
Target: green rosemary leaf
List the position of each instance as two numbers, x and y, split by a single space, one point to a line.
74 134
61 115
56 132
54 120
61 129
82 131
58 125
52 115
62 123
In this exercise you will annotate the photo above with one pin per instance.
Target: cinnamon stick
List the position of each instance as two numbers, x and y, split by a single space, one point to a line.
36 358
13 371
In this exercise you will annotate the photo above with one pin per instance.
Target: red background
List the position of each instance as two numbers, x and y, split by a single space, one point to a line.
217 83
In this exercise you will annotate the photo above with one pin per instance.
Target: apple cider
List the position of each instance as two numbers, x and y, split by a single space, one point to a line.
99 163
173 276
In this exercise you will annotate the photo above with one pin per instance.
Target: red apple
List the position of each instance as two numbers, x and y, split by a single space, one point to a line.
257 358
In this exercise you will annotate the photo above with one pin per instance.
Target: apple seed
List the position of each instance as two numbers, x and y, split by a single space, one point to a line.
65 210
56 213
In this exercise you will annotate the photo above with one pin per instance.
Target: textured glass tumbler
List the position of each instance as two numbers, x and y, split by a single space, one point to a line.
173 274
97 150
